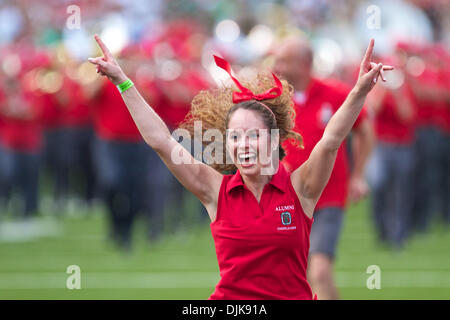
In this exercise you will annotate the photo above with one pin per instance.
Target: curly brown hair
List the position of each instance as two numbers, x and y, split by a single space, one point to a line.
214 108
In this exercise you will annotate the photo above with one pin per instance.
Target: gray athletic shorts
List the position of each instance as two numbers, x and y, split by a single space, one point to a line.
325 231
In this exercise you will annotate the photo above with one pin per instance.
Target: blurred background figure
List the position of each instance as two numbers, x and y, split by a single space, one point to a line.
76 135
390 172
21 144
176 79
53 152
428 76
154 176
120 164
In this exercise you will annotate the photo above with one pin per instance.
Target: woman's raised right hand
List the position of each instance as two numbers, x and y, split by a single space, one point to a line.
107 65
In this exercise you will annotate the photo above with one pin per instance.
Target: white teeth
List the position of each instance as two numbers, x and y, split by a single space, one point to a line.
245 156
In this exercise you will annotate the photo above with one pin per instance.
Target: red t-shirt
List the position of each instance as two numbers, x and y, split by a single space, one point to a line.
313 110
262 248
442 118
389 127
2 100
76 111
172 109
428 112
24 135
112 120
51 111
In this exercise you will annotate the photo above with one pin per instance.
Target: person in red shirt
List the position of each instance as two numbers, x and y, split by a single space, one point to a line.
21 143
440 59
173 106
53 152
445 145
390 169
159 194
36 65
429 91
315 103
76 136
120 163
261 215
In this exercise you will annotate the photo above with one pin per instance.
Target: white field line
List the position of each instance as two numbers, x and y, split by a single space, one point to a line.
168 280
110 280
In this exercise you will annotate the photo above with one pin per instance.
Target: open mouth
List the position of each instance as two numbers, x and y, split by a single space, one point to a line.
246 159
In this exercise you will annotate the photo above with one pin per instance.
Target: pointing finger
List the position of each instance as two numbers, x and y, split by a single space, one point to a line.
103 47
368 55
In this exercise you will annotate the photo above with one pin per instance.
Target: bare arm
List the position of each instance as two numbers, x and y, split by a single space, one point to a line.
203 181
362 145
311 177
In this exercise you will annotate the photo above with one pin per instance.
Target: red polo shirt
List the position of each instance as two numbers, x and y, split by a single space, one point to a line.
262 248
314 108
112 120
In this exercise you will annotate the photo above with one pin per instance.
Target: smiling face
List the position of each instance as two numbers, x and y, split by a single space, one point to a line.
249 142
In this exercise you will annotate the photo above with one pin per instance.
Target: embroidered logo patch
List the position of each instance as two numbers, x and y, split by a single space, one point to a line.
286 218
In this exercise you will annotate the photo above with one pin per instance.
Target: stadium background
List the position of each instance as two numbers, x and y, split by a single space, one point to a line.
36 251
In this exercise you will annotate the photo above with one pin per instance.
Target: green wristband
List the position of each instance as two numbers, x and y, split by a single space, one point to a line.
124 86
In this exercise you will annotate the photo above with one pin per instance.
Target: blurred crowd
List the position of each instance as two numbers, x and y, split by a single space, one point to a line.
65 131
409 168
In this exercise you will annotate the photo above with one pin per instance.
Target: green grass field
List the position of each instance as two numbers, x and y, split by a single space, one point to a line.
183 264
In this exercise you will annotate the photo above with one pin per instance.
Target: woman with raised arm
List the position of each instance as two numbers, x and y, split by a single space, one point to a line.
260 219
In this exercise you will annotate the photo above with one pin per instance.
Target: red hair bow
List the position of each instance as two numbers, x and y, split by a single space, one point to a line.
246 94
